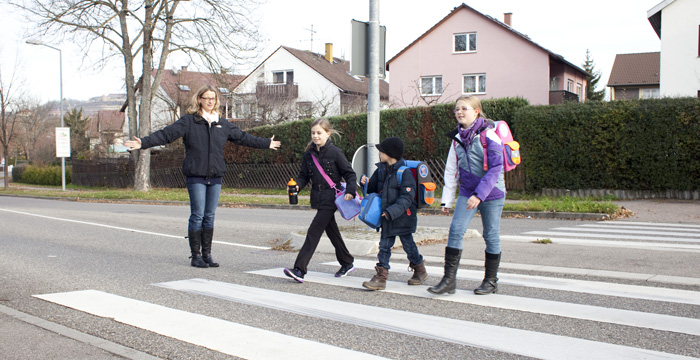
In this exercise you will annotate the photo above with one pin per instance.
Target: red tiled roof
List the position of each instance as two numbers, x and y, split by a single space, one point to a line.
635 69
106 120
173 83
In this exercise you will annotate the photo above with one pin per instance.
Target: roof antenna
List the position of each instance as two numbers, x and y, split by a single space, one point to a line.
312 37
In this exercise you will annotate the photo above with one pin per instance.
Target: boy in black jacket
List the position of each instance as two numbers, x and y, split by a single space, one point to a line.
398 213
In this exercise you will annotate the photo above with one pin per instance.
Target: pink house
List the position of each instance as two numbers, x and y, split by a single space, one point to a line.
469 53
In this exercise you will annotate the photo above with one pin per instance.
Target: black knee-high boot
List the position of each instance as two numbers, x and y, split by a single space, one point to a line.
490 283
448 284
207 239
195 238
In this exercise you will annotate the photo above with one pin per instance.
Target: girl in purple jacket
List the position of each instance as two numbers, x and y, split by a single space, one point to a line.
479 190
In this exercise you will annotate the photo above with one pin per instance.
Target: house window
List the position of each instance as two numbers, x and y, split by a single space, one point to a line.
431 85
304 110
184 87
465 43
554 84
283 77
474 84
649 93
578 91
223 91
570 86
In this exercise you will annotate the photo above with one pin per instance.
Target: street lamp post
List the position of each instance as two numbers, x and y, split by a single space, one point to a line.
60 101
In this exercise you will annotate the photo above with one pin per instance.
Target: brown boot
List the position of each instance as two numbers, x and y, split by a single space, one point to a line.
378 281
419 274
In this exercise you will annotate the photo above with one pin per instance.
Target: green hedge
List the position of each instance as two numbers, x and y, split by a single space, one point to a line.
421 128
633 145
44 175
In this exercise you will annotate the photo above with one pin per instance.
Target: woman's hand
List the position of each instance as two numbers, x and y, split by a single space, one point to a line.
133 144
349 197
274 144
473 202
445 210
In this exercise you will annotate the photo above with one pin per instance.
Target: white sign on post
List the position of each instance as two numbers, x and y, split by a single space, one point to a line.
62 142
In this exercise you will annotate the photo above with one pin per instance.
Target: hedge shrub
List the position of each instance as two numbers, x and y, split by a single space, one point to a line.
44 175
633 145
421 128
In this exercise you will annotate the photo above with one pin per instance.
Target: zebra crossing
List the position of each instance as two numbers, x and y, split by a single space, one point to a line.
248 342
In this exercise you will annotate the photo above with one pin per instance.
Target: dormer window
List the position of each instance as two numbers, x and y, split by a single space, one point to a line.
465 43
223 91
184 87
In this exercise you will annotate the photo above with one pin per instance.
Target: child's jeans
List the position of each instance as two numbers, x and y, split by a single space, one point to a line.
490 219
409 246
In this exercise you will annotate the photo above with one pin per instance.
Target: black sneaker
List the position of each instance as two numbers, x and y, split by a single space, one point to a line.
295 274
344 270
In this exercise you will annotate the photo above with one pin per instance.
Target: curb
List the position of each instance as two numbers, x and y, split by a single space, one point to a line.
506 214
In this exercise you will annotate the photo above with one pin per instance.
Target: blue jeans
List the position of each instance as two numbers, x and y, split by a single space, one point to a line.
490 219
203 202
409 246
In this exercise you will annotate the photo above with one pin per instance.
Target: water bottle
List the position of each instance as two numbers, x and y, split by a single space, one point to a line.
293 192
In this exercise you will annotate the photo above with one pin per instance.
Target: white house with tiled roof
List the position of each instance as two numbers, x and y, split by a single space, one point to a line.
293 84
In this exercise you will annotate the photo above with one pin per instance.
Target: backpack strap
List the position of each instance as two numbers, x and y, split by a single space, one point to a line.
399 175
482 137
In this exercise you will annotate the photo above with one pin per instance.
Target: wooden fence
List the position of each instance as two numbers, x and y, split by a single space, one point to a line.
167 173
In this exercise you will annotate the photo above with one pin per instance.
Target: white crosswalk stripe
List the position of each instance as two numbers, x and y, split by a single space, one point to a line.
626 231
216 334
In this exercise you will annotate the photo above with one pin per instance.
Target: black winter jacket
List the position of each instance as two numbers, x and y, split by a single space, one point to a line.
397 201
335 165
204 146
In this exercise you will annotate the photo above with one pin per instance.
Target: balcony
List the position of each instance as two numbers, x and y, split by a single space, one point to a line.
561 96
277 91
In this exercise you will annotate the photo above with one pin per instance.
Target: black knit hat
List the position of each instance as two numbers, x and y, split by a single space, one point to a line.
392 146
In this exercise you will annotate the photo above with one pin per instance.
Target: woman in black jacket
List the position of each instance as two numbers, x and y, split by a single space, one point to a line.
204 134
336 166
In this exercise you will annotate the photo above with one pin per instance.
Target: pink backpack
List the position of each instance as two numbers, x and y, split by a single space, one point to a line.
511 148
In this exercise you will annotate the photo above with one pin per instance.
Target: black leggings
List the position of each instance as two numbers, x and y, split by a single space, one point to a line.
324 220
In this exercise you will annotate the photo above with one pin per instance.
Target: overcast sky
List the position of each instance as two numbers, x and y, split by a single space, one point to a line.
606 27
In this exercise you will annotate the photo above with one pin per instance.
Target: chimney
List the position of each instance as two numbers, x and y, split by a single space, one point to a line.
183 69
329 52
507 17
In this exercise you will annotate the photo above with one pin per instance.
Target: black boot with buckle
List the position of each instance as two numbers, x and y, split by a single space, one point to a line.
195 238
490 283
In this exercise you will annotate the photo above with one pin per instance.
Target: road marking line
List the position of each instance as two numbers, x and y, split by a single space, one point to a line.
126 229
522 342
651 227
604 236
607 243
573 285
216 334
518 303
648 224
628 231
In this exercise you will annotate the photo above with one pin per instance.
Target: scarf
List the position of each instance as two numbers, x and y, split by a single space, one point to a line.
467 135
211 117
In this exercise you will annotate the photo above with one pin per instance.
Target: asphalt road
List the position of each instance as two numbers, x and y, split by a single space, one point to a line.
56 254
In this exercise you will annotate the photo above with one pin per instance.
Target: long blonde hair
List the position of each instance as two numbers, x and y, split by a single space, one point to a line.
195 107
474 102
325 124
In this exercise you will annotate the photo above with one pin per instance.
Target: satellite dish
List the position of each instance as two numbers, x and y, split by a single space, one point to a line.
359 163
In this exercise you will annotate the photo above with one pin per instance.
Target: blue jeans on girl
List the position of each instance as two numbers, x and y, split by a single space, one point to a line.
490 219
204 198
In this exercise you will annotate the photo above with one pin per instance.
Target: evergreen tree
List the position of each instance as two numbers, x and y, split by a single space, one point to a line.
592 82
79 132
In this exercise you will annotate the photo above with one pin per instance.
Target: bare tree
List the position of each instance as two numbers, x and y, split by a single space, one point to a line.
417 98
35 130
8 113
208 31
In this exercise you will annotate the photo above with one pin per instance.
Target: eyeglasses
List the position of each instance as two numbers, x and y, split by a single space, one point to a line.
208 99
463 109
